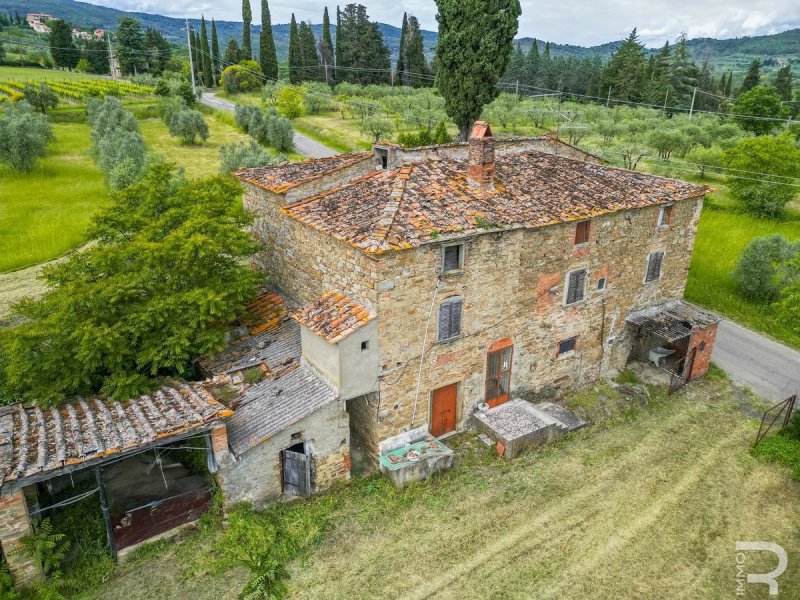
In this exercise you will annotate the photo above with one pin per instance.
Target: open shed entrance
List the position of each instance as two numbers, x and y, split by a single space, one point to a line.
296 467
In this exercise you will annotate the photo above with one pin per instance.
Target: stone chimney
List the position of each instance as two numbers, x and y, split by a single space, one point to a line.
481 155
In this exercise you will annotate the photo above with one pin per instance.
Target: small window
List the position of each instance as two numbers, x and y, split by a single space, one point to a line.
582 232
665 216
452 258
450 319
654 262
567 345
383 157
576 286
364 346
601 283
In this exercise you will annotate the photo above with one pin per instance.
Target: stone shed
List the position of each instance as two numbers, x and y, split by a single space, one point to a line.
290 434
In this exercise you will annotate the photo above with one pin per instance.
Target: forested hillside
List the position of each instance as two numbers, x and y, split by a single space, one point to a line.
734 54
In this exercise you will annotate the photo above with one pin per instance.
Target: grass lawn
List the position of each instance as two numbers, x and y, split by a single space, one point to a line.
646 506
46 212
343 135
24 74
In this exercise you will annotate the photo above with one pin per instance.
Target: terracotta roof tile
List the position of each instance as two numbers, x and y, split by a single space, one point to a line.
334 317
282 178
404 208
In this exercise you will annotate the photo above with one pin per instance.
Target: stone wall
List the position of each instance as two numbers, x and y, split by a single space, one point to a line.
14 525
302 262
702 343
513 286
256 476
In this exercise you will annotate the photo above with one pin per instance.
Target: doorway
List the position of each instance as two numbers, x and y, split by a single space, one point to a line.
443 410
296 470
498 374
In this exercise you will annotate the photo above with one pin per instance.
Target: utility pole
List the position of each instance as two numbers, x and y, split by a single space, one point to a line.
691 110
191 62
517 89
663 112
608 100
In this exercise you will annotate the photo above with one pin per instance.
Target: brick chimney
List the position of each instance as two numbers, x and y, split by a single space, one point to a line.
481 155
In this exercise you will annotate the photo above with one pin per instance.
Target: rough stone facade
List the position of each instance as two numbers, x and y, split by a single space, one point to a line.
14 525
702 343
256 476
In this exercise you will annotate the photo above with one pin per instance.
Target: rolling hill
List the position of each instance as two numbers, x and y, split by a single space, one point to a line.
733 54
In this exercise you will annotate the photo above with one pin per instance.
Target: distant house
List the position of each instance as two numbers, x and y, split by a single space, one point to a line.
99 34
84 35
37 22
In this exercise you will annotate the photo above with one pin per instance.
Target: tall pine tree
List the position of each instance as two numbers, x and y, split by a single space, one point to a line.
625 72
62 48
475 43
326 49
215 56
268 57
359 46
295 54
247 17
205 55
309 59
416 67
752 78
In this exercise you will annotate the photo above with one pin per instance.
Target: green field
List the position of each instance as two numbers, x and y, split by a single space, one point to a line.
24 74
46 212
604 514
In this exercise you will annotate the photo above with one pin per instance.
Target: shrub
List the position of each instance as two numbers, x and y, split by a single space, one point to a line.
188 125
23 136
186 92
792 429
318 97
243 77
122 156
248 116
162 88
245 156
46 547
290 101
281 133
761 271
108 115
377 127
40 96
764 102
84 66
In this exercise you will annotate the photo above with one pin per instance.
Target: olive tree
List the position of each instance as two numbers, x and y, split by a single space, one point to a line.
23 136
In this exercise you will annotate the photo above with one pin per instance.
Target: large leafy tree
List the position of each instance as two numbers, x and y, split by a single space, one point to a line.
62 48
267 54
158 50
756 107
475 42
764 169
23 136
247 18
625 72
130 45
167 275
97 56
783 82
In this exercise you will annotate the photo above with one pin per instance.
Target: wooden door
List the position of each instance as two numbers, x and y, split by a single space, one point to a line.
443 410
498 376
296 473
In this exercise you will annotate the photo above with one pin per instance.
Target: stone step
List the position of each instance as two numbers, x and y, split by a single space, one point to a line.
565 418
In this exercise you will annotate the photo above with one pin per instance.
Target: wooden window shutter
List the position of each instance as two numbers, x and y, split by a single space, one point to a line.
444 321
455 318
576 286
582 232
452 258
654 266
450 319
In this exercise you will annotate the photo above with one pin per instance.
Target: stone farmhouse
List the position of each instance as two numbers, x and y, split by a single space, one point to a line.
437 280
406 292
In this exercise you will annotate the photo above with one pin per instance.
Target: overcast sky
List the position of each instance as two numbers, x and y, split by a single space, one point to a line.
581 22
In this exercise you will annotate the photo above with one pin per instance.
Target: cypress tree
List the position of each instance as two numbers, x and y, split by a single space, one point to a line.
205 54
193 47
531 72
475 42
232 53
326 48
401 60
247 17
416 66
752 78
783 82
338 52
62 48
215 57
729 85
308 50
359 44
267 54
295 54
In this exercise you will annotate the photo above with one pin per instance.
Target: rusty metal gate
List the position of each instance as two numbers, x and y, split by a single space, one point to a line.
682 372
296 472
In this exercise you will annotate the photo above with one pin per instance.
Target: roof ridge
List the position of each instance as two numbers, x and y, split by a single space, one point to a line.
392 207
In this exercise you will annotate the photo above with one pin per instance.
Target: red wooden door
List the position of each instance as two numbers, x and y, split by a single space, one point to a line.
443 410
498 376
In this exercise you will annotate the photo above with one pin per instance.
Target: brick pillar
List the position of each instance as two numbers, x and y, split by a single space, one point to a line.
219 442
703 343
15 524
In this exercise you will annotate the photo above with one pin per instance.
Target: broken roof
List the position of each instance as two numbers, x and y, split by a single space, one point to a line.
282 178
672 320
334 317
37 442
290 390
421 201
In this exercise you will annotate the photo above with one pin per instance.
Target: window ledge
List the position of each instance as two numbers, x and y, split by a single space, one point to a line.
578 303
566 355
452 273
449 340
582 245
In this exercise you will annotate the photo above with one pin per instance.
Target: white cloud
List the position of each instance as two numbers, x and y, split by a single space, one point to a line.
583 22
